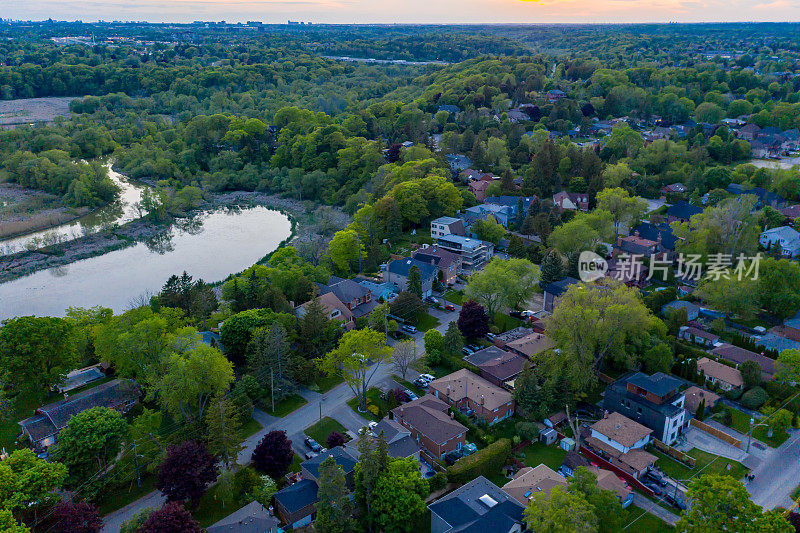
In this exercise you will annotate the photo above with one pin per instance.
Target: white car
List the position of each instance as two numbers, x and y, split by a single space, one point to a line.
427 377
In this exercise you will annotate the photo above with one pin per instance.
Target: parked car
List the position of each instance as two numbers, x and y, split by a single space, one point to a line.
310 455
427 377
474 347
450 307
515 314
675 501
490 336
314 445
466 351
655 478
410 394
655 488
408 328
371 426
419 382
432 300
429 474
452 457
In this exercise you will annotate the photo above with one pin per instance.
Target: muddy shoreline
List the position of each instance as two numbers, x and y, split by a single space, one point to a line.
27 262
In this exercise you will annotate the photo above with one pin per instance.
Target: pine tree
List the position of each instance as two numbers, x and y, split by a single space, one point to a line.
453 340
552 268
223 423
334 508
414 281
373 460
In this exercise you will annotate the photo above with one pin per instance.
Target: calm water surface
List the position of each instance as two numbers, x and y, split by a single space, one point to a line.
209 246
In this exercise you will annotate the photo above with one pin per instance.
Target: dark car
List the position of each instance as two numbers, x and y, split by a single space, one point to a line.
452 457
655 478
314 445
655 488
675 501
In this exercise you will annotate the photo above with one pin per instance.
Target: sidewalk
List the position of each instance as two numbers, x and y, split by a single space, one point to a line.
655 510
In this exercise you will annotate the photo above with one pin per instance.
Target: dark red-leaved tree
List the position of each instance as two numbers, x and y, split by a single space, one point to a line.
393 153
77 517
335 439
273 455
172 518
473 322
187 471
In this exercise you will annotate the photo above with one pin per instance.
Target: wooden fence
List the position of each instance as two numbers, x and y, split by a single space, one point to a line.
714 432
604 378
674 453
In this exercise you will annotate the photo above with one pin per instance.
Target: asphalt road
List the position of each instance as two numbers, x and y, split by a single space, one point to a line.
333 404
777 475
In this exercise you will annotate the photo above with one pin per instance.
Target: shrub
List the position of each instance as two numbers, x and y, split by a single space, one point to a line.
374 409
754 398
335 439
438 481
727 417
481 463
527 430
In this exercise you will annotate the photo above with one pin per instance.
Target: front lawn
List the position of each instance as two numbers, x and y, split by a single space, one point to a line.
708 463
426 322
326 383
538 453
741 423
320 431
284 407
374 398
249 427
117 498
505 322
454 297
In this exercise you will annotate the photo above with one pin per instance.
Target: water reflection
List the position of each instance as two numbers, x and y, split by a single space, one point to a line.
210 246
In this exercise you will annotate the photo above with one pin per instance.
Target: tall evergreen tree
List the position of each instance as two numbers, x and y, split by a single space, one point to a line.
334 508
414 281
552 268
223 423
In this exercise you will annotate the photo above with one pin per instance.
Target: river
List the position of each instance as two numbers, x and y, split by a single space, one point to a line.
210 246
123 209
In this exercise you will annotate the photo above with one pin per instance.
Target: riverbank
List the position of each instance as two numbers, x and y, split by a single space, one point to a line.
24 211
156 236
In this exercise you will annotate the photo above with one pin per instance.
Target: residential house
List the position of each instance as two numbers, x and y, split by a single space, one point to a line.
792 212
791 327
519 205
531 345
765 197
431 426
636 245
504 215
458 163
472 394
356 297
501 340
698 336
471 174
400 443
606 479
397 271
776 343
554 291
530 481
448 263
724 376
447 226
497 366
554 95
478 188
692 310
653 401
252 518
682 211
296 504
766 147
572 201
474 252
784 236
80 377
477 507
694 395
334 308
748 132
674 188
620 441
381 292
737 355
43 427
309 469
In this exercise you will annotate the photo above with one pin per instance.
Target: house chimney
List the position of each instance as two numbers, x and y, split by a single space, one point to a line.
605 413
483 400
452 415
636 233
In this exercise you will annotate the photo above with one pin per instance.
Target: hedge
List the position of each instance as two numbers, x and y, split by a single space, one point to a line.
485 462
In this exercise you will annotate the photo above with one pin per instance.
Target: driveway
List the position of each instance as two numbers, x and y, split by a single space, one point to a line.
332 403
656 510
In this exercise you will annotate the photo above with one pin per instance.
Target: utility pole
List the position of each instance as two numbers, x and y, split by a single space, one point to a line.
272 388
320 407
136 460
750 434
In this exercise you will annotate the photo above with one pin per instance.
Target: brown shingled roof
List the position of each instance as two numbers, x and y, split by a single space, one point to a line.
428 415
463 383
621 429
716 370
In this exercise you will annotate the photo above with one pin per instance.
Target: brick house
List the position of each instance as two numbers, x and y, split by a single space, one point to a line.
698 336
726 377
495 365
572 201
737 355
431 426
472 394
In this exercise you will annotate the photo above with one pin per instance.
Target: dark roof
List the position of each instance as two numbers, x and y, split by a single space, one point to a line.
764 196
402 266
464 511
511 201
346 290
557 288
484 355
738 355
428 416
110 394
652 231
342 458
683 210
298 495
252 518
504 366
659 383
573 460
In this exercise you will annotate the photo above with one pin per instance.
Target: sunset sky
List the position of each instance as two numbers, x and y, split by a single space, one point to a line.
413 11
